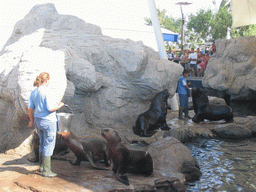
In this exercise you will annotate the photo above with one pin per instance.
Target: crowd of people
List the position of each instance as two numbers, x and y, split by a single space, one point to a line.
194 61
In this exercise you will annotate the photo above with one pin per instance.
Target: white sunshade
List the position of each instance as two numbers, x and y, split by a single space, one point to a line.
243 12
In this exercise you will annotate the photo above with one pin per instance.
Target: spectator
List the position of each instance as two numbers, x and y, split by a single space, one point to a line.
183 59
175 58
202 65
187 66
193 59
198 52
211 49
170 55
207 58
198 67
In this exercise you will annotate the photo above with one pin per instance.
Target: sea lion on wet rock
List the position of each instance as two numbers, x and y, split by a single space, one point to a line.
91 149
204 110
60 147
154 118
126 160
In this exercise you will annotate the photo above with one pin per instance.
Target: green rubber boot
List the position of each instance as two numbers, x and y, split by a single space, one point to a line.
47 167
41 168
186 113
181 113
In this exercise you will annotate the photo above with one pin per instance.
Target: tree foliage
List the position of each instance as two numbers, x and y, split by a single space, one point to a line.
221 22
200 25
205 25
249 30
168 22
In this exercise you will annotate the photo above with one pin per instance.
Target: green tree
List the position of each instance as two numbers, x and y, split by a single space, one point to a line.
168 22
249 30
220 23
200 25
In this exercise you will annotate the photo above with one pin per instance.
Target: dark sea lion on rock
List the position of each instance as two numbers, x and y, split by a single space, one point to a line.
126 160
154 118
91 149
60 147
204 110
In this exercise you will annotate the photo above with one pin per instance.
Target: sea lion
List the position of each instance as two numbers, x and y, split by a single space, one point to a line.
126 160
91 149
204 110
154 118
60 147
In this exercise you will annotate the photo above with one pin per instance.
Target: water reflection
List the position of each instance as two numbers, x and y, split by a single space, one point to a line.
225 165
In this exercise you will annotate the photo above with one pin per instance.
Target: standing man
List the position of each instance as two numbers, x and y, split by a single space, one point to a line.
193 59
183 94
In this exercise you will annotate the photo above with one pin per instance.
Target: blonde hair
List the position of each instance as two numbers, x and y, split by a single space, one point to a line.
41 79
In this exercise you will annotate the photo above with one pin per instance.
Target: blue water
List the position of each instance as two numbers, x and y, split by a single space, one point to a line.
225 165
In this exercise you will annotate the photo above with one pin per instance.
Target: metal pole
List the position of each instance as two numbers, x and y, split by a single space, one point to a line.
160 44
182 23
182 29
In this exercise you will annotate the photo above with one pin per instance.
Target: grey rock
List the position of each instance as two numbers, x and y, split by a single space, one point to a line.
232 68
171 156
107 82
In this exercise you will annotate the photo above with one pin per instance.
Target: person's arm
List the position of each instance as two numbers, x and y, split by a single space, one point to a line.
31 117
188 85
184 83
61 104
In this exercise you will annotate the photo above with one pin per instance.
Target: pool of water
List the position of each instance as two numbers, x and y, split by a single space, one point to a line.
225 165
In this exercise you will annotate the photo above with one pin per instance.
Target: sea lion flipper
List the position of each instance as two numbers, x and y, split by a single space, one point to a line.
77 162
93 163
123 179
33 159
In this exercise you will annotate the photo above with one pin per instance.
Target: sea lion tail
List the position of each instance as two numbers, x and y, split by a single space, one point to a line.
134 130
123 179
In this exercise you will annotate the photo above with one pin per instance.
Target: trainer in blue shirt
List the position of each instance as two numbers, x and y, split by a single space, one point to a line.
183 94
42 108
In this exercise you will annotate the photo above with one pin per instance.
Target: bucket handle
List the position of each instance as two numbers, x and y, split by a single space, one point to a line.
69 108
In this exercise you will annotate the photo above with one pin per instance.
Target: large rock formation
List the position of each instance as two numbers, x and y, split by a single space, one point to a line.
106 81
232 69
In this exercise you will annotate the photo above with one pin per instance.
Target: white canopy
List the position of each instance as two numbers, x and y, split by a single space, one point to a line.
243 12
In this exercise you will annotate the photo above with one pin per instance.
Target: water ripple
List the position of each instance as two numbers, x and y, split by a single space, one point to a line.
225 165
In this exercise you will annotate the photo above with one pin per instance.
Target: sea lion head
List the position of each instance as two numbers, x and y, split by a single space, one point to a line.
165 93
161 96
66 135
197 92
111 135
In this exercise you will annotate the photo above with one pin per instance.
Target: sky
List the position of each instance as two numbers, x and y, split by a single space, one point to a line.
107 14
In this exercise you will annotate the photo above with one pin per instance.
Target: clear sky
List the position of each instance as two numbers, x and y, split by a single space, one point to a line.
104 13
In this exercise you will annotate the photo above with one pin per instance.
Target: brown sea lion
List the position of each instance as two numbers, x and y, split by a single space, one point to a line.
91 149
154 118
60 147
125 160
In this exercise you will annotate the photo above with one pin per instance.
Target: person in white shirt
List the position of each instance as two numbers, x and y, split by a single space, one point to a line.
193 59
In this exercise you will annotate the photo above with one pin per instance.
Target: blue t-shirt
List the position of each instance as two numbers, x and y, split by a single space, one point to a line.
42 100
182 86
